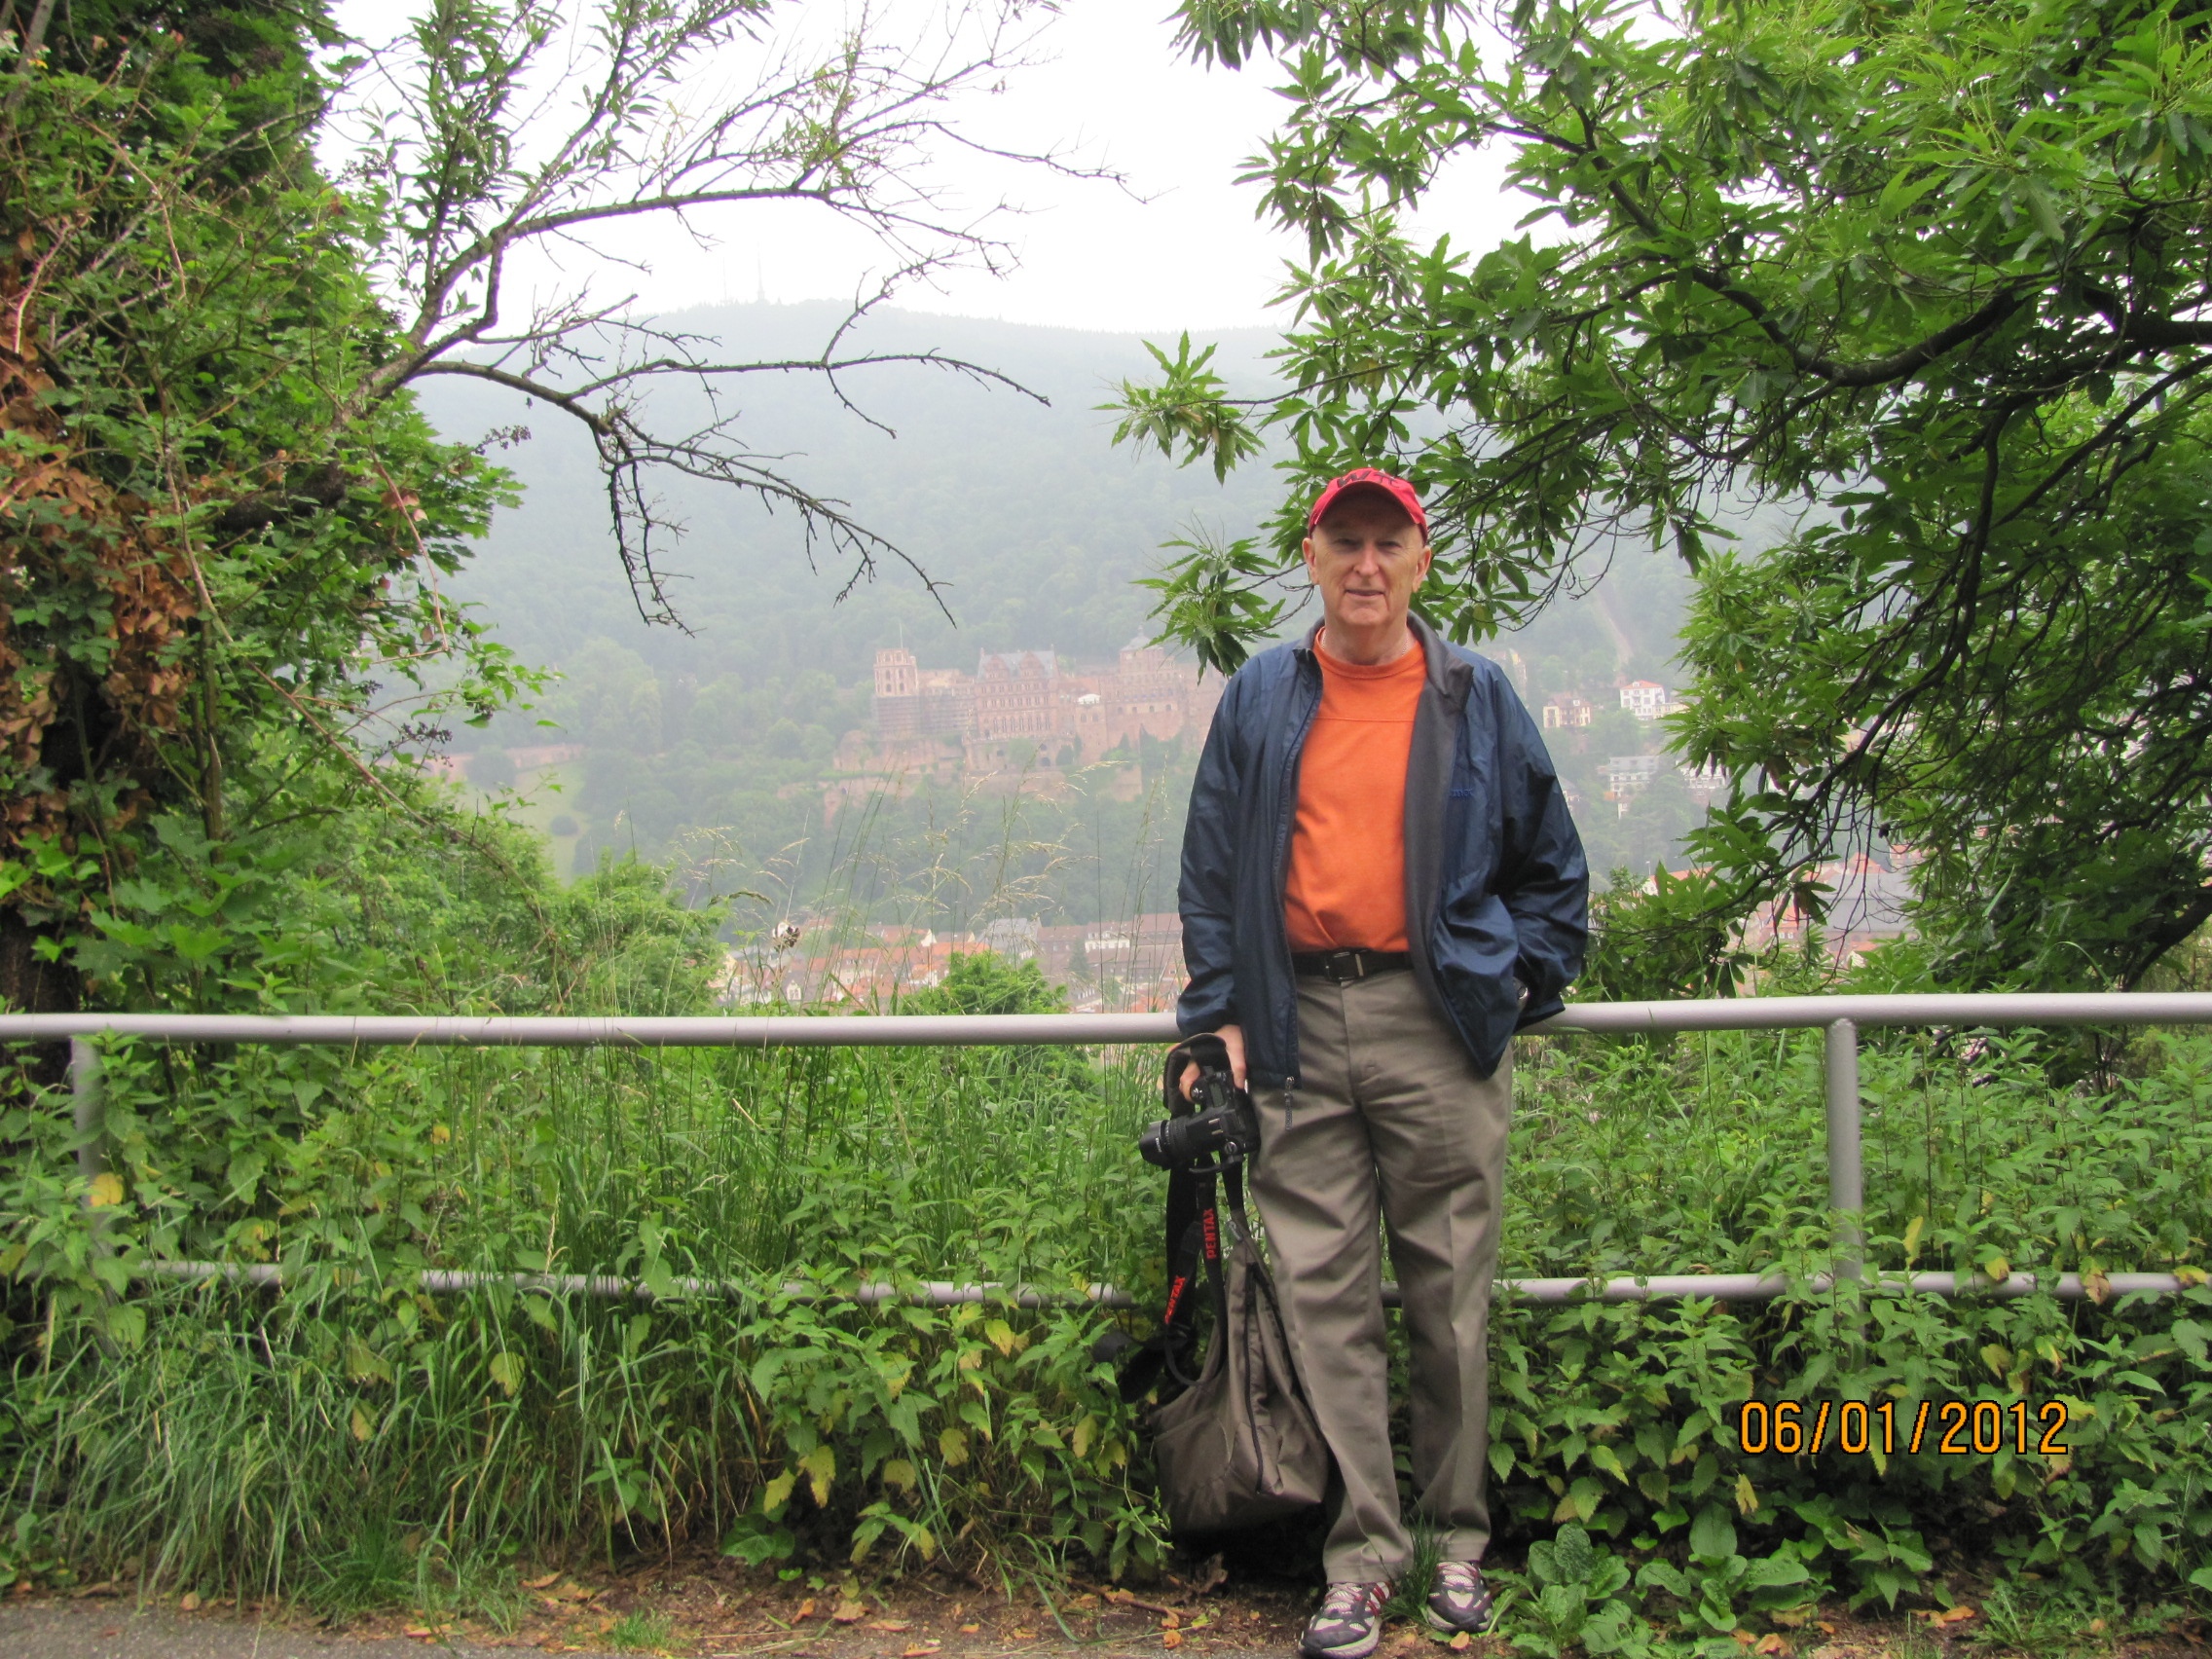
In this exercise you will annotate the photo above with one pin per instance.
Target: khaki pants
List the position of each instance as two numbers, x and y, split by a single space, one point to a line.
1390 1125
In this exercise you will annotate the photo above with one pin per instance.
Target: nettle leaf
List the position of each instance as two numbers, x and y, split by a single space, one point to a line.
1713 1533
1573 1555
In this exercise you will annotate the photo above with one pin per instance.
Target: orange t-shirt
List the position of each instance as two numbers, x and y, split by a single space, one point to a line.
1347 886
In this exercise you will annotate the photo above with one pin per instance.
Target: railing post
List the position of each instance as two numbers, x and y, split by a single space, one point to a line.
1847 1186
88 1098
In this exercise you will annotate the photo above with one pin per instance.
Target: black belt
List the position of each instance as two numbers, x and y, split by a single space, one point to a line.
1343 967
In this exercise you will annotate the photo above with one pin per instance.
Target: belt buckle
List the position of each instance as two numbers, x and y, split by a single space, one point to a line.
1342 960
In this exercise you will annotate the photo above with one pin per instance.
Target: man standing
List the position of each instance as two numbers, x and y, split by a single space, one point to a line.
1381 883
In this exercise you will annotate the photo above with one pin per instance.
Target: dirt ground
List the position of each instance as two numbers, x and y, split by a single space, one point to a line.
708 1609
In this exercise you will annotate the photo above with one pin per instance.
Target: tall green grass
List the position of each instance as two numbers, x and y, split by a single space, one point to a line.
354 1432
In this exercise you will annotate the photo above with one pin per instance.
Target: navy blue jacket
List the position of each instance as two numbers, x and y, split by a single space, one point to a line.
1496 887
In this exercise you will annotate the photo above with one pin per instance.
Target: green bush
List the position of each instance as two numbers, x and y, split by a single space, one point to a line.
250 1440
213 1432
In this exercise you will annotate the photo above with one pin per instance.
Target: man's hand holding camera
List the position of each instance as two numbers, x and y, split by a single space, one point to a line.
1233 1039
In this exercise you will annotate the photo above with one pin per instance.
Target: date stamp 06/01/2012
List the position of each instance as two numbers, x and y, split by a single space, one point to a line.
1954 1428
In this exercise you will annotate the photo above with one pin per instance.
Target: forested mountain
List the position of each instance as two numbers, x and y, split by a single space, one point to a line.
1031 521
712 743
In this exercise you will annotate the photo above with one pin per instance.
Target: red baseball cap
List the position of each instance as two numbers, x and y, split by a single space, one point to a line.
1369 478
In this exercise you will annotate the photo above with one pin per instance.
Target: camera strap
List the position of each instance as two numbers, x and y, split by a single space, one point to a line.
1196 1246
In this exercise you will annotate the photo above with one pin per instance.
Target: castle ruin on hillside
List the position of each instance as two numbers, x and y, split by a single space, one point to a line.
1027 708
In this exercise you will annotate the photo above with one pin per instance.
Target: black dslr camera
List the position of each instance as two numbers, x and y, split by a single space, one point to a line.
1220 1131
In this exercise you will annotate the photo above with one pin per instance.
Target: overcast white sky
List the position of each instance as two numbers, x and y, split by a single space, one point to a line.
1189 255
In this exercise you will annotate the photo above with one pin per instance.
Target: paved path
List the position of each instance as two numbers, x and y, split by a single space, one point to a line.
114 1629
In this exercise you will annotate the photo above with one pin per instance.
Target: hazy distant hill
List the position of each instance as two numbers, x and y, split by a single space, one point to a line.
1039 527
1037 524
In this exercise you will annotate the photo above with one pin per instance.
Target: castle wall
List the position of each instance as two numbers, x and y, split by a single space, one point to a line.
1061 715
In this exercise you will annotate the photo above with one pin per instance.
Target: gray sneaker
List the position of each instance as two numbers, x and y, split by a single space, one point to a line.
1348 1624
1459 1602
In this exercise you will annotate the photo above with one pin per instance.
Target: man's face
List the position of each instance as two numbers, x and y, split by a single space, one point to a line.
1367 558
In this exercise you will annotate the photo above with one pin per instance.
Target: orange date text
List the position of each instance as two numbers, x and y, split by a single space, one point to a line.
1952 1428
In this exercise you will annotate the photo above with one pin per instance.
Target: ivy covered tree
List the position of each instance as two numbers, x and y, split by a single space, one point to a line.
222 523
209 533
1927 277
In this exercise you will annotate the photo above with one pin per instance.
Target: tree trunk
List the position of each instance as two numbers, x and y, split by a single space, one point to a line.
29 983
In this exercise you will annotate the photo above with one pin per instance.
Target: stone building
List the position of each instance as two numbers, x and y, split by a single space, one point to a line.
1566 713
1026 708
1015 695
920 702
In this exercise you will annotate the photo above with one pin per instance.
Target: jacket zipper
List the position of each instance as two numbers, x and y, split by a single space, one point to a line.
1285 818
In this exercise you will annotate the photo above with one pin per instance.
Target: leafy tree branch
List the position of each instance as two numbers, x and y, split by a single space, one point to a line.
1919 291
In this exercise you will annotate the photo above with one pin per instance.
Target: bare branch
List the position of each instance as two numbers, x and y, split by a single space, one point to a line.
520 126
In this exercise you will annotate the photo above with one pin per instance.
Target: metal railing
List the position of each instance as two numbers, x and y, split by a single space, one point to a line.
1840 1017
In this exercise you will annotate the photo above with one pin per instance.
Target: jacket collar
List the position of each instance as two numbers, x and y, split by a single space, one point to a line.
1449 673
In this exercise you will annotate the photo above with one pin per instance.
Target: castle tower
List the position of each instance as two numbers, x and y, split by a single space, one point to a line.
898 694
896 675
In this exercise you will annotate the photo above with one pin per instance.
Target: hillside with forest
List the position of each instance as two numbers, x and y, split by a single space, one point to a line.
713 744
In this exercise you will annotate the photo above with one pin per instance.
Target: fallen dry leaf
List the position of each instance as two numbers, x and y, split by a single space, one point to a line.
1131 1598
970 1629
1022 1635
1171 1637
111 1631
190 1601
1173 1621
805 1609
1955 1615
550 1580
1461 1642
1084 1602
848 1612
1827 1628
1771 1643
919 1649
890 1624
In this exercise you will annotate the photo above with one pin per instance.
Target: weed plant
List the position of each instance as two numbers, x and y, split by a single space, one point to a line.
358 1435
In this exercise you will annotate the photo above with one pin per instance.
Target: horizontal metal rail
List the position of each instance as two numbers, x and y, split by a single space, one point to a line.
531 1031
799 1031
1840 1017
945 1293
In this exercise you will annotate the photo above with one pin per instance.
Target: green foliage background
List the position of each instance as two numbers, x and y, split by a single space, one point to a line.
216 1434
1926 278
